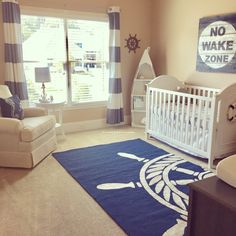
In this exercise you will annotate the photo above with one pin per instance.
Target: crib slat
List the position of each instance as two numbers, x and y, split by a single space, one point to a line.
203 126
204 129
164 120
151 109
198 123
154 111
182 118
162 111
187 121
177 117
192 121
147 110
159 111
168 115
173 117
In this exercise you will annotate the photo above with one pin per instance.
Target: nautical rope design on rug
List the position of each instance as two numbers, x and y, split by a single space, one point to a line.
143 188
155 179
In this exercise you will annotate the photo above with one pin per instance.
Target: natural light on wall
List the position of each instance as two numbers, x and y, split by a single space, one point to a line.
76 52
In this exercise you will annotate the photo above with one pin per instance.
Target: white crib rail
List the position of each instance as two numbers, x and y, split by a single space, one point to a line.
202 91
181 119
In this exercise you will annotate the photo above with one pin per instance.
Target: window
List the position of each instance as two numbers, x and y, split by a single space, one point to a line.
76 52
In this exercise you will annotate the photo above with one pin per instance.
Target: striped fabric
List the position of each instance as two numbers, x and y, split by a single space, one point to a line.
14 70
115 113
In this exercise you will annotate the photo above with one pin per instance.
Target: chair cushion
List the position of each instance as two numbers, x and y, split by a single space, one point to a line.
11 107
225 170
36 126
4 93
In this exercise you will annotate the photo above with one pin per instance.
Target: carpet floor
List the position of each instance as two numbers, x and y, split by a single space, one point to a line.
47 201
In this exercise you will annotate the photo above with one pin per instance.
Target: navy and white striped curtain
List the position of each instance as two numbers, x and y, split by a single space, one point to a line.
115 112
14 70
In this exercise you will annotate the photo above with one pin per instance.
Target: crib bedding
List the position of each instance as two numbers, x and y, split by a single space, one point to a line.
189 128
182 111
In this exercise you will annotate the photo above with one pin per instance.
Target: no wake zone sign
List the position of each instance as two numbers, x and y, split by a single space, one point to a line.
217 44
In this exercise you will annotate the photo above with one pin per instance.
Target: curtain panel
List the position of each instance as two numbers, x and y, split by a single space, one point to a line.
14 70
115 113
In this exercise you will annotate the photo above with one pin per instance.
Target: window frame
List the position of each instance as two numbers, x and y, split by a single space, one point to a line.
69 15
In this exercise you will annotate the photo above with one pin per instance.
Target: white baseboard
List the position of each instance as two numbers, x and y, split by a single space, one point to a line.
90 125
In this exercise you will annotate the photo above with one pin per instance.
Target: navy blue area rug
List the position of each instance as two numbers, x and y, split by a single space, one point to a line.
143 188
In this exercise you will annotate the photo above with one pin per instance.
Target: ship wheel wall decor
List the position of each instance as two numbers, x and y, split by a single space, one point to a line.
132 43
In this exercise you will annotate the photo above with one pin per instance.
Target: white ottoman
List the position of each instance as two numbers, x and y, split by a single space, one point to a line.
226 170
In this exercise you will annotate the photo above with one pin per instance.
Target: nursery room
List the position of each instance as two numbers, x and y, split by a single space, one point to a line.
117 117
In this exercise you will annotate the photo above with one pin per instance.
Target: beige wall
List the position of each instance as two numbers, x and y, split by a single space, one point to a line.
158 37
175 29
135 19
170 27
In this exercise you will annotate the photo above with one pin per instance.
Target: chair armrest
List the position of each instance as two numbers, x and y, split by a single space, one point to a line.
34 111
10 125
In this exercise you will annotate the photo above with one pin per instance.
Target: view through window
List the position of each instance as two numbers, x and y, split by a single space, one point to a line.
76 52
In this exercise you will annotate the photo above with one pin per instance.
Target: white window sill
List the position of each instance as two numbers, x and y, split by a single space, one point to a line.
67 106
85 105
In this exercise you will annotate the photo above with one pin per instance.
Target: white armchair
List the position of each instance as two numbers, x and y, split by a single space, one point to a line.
24 143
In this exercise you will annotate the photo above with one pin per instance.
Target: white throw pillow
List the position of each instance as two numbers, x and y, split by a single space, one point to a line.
226 170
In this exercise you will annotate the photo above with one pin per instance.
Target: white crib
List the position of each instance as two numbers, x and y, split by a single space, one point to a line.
197 120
